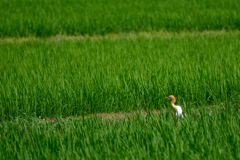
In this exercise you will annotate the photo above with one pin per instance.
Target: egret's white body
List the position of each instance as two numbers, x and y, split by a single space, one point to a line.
178 109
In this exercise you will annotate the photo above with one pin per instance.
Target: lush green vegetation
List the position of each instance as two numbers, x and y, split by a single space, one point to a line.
91 76
201 135
51 17
74 74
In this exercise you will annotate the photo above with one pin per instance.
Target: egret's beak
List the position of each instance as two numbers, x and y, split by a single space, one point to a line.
166 98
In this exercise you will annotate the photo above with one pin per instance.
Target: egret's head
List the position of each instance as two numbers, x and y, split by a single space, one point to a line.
171 97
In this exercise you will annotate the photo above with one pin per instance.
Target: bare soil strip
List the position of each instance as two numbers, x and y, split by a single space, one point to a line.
123 115
118 115
116 36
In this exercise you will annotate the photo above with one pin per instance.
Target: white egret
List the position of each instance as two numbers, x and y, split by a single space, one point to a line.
177 109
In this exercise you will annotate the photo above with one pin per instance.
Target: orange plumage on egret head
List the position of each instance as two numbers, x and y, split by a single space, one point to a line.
178 109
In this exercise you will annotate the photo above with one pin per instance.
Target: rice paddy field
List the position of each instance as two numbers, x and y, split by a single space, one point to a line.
67 78
73 17
66 67
200 136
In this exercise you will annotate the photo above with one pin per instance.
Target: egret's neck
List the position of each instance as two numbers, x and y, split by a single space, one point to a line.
172 104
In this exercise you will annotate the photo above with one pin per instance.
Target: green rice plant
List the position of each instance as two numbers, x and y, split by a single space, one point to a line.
82 77
71 17
198 136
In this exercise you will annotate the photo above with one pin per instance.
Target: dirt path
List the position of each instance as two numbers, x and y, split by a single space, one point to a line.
115 36
122 115
118 115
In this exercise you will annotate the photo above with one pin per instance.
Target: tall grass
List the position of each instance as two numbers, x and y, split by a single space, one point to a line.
51 17
199 136
91 76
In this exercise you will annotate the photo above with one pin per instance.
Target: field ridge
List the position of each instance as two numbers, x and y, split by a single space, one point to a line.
115 36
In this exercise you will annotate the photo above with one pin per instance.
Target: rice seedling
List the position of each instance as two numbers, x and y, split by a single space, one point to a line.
198 136
68 78
73 17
